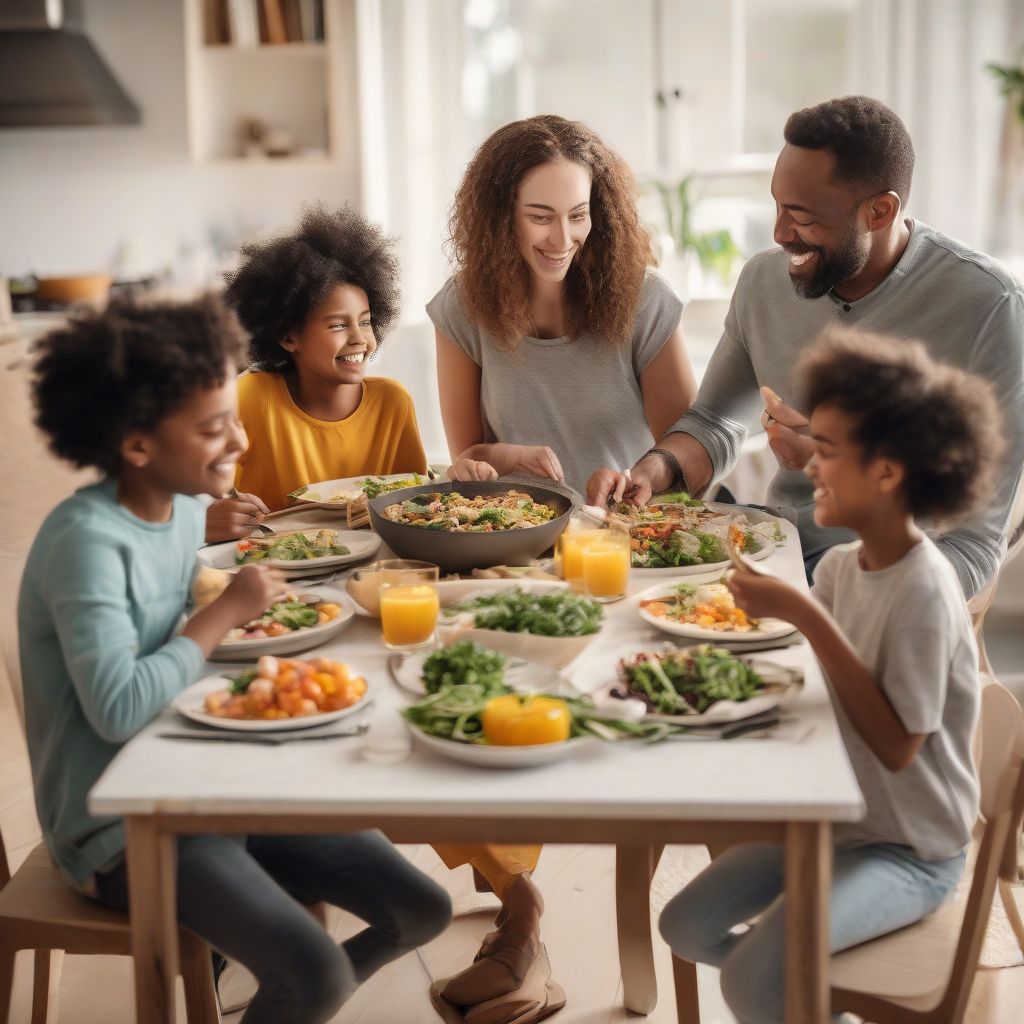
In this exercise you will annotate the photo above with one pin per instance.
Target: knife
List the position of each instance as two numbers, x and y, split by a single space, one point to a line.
270 739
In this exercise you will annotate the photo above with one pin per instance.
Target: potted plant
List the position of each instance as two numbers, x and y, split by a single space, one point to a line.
684 250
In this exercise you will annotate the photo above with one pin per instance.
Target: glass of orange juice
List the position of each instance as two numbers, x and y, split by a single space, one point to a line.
606 561
409 609
570 553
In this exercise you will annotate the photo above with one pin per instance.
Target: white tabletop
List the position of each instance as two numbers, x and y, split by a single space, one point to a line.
732 780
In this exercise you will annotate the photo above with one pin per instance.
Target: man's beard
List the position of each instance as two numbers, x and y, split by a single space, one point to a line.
845 261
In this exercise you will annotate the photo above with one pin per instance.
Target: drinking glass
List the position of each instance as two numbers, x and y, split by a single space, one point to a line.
606 561
364 583
408 611
570 553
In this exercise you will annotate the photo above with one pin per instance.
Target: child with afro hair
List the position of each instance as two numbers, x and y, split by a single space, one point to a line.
146 395
899 439
316 302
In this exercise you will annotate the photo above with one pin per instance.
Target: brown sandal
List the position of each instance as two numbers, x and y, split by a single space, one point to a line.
535 1000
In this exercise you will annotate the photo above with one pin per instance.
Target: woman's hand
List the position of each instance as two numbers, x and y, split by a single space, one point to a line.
762 596
534 459
787 431
470 469
233 518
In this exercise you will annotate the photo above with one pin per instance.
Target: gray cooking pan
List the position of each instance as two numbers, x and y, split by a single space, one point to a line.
458 552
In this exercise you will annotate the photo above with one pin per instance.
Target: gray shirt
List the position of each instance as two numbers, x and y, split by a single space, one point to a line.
963 305
580 396
910 627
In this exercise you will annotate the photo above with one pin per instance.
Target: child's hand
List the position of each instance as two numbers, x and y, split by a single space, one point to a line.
252 591
471 469
787 431
764 596
234 517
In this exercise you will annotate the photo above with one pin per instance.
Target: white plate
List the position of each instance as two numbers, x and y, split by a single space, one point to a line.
451 592
190 703
360 543
527 676
768 629
347 488
783 683
294 640
483 755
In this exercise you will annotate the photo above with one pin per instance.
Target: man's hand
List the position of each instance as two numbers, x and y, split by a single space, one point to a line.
787 431
606 487
233 518
765 596
471 469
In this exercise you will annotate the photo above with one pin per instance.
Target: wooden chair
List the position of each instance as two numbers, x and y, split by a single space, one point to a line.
41 912
923 973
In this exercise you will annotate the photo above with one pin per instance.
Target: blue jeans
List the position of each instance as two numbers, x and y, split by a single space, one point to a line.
875 889
245 896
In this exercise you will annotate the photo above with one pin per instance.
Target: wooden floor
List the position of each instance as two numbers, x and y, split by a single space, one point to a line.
579 929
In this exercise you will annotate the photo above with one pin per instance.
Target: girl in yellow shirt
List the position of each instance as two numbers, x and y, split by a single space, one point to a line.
316 303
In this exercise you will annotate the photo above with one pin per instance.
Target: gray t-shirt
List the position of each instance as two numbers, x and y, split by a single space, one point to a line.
910 627
581 396
963 305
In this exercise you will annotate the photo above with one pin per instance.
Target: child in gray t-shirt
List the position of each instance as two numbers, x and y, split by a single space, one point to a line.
898 439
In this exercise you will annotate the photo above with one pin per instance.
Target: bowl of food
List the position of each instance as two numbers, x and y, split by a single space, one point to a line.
550 627
469 525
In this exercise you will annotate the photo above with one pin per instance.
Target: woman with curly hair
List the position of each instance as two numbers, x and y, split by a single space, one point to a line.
557 349
316 303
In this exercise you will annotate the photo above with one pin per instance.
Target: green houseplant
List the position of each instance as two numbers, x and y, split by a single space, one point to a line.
716 251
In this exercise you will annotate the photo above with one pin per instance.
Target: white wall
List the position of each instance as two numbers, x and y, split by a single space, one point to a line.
70 197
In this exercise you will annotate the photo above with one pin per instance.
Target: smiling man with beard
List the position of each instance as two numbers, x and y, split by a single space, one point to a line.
847 254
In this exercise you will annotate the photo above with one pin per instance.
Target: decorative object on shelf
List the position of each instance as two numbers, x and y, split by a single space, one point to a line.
683 249
245 23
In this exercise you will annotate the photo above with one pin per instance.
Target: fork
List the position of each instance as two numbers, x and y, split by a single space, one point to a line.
233 493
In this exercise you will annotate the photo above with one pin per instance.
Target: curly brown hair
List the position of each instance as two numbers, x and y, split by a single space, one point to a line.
604 280
279 281
104 375
941 424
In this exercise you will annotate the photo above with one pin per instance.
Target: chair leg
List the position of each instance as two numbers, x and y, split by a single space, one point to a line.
684 975
1012 912
47 964
6 983
201 1004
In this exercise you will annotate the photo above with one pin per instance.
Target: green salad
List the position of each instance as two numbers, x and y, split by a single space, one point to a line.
373 486
689 681
454 711
465 663
519 611
290 547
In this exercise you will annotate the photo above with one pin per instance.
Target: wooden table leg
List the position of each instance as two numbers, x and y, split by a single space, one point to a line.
635 865
808 887
152 896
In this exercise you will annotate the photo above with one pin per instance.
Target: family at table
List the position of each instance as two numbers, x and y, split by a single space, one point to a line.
885 359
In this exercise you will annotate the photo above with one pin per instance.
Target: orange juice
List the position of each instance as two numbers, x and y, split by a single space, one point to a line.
606 567
408 614
572 543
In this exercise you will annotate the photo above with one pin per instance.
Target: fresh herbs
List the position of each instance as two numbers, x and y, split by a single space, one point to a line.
518 611
240 683
465 663
688 681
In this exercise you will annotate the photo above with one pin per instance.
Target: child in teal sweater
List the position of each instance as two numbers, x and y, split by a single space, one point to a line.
146 395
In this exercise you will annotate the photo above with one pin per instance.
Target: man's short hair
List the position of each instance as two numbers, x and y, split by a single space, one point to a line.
871 145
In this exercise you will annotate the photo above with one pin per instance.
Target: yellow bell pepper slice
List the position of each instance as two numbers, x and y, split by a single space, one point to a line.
516 720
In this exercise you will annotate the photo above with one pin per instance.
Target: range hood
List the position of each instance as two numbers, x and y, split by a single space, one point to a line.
51 75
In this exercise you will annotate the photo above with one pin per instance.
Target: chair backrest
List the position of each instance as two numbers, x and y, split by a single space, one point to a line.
1001 776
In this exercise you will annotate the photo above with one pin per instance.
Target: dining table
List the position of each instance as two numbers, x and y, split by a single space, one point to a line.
789 787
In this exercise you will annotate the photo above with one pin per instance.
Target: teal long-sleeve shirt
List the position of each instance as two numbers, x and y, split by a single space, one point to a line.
100 599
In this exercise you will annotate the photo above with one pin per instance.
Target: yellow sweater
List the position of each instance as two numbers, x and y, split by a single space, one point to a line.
288 448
